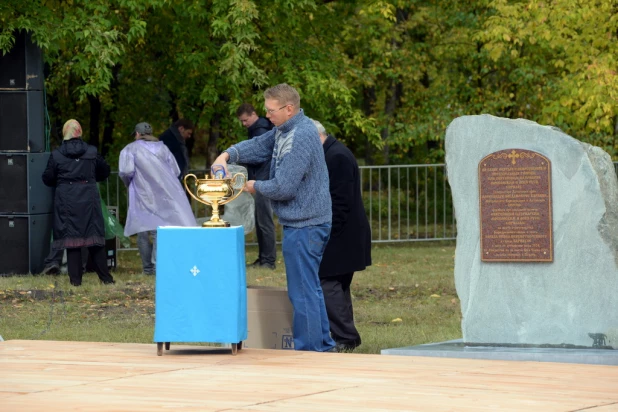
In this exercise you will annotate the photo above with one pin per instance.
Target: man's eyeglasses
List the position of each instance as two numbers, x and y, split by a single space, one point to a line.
271 111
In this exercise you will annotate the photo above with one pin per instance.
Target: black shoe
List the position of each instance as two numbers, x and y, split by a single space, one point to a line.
255 264
346 347
270 266
52 269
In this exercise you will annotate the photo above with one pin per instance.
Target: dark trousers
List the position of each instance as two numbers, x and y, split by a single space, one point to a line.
54 257
264 223
76 268
265 230
338 301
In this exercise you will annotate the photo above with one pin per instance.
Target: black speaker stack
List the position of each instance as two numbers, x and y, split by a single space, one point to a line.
25 202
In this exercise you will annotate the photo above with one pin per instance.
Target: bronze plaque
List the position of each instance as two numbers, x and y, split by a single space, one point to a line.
515 207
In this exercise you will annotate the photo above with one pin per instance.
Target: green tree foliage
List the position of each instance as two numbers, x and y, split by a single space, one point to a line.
385 76
561 59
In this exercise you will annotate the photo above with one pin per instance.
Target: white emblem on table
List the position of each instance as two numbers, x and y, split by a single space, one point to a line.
195 270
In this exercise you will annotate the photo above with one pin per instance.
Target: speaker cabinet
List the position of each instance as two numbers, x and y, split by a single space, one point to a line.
21 188
25 241
22 67
22 121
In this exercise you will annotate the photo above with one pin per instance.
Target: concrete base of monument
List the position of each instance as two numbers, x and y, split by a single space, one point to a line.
457 349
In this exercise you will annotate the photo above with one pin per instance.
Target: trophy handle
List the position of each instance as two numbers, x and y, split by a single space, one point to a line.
232 183
190 191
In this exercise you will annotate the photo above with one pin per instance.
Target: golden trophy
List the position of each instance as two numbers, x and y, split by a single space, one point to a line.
216 191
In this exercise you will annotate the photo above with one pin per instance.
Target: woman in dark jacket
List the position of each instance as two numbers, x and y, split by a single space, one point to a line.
73 169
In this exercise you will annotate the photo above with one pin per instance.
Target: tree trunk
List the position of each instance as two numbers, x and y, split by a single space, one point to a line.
108 114
393 97
55 115
392 101
173 113
615 130
108 131
95 120
369 99
213 139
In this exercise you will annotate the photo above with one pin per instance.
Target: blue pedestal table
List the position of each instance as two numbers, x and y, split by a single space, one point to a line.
201 287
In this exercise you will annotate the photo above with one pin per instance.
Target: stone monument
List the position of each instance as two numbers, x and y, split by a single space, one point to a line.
536 262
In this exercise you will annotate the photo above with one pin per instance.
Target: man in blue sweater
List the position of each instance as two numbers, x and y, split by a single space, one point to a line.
299 192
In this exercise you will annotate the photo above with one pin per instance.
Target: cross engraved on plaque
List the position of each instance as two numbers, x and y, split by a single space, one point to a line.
513 156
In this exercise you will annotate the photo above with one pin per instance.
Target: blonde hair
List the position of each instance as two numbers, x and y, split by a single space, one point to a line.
71 130
284 94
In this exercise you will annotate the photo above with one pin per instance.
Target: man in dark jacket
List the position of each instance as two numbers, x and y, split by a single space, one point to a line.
74 170
264 224
175 139
349 247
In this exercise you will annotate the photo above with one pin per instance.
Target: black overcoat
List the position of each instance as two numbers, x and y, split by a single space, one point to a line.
177 145
73 169
349 247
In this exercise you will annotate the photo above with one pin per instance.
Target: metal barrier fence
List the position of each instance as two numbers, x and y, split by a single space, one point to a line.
408 203
404 203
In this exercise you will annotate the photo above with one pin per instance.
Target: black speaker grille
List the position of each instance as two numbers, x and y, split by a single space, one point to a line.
22 67
13 66
22 121
14 184
14 238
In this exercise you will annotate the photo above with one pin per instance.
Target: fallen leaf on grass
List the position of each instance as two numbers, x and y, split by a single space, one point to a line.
435 296
391 288
396 320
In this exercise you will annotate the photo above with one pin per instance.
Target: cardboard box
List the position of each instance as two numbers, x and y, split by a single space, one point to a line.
269 318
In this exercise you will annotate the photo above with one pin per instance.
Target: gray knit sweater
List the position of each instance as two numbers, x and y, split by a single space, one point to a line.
298 185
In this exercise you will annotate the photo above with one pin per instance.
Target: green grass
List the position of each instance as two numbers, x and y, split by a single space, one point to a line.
406 298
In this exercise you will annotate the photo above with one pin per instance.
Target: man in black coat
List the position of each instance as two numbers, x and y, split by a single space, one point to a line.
349 247
74 170
264 223
175 139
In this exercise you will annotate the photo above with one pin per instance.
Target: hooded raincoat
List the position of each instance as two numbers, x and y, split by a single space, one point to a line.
74 170
156 198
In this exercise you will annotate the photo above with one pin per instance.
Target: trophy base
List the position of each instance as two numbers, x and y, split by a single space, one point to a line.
220 223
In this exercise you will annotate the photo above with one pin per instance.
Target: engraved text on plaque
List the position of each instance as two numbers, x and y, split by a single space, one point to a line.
515 207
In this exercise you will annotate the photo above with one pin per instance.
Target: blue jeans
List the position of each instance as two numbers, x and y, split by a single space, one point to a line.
147 250
302 251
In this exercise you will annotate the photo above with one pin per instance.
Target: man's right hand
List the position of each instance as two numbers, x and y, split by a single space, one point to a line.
221 160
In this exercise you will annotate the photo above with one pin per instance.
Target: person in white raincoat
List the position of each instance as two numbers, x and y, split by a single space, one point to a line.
156 198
